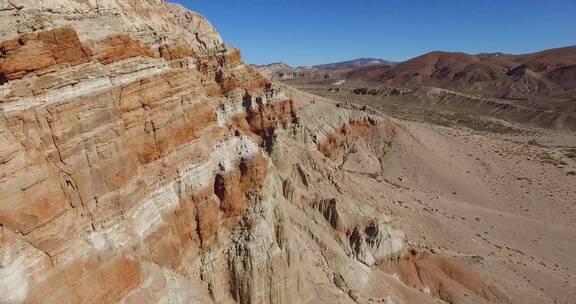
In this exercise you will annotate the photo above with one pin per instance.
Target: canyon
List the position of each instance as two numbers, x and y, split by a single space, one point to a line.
142 161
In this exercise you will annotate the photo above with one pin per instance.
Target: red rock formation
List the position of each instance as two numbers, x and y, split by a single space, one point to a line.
121 47
86 162
237 188
342 136
173 52
271 116
444 278
37 51
89 280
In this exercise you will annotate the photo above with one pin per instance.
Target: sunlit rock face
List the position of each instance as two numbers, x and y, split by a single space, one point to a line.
143 162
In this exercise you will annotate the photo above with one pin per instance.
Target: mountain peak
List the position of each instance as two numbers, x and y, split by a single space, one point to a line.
355 63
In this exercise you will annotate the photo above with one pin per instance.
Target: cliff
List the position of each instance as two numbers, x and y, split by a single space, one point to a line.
143 162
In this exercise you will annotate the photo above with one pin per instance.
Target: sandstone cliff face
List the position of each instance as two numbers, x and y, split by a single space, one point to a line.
122 176
143 162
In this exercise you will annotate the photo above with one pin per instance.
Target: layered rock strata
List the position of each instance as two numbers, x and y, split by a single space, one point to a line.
143 162
120 164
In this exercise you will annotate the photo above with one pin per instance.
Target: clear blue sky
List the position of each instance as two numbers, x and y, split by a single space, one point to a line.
308 32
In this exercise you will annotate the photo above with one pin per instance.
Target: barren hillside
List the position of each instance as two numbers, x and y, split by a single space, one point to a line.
534 89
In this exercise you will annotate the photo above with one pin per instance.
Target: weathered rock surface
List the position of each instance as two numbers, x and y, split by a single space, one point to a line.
143 162
444 278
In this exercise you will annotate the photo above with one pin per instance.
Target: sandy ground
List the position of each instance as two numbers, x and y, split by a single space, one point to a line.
509 205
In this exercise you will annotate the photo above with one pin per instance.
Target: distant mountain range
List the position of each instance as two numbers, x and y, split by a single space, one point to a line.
283 71
351 64
550 73
546 74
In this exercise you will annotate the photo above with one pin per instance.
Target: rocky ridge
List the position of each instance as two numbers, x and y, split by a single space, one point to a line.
144 162
282 71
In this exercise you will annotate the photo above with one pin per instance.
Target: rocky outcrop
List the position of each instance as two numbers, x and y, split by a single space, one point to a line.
118 155
143 162
282 71
370 239
36 51
445 278
341 137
